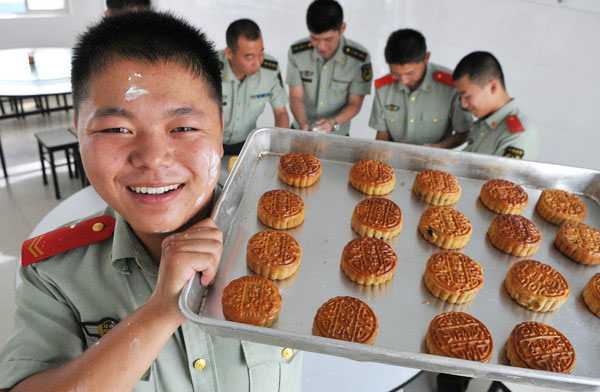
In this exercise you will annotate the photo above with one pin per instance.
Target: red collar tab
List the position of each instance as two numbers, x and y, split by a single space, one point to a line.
443 77
384 81
514 124
67 238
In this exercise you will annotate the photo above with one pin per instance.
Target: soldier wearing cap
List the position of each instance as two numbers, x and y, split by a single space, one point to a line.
328 74
416 102
502 128
251 79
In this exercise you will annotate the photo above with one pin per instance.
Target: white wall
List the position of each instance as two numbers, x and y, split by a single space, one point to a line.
549 51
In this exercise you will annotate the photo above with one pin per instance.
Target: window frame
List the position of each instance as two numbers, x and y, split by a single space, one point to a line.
29 13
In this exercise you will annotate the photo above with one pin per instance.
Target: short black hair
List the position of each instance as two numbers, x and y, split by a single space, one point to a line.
117 6
146 37
241 27
405 46
480 67
324 15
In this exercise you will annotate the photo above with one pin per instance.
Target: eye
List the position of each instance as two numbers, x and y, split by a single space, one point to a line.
184 129
115 130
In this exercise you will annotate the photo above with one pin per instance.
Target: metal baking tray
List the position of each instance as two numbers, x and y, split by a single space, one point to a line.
404 306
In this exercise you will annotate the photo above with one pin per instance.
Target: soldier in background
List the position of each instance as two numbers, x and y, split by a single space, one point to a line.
114 7
416 102
328 74
501 128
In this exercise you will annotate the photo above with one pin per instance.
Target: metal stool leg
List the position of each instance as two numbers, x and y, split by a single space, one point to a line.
41 151
54 178
3 161
68 156
497 386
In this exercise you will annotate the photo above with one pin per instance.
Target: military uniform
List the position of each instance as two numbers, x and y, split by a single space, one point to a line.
68 301
327 84
506 132
244 101
427 115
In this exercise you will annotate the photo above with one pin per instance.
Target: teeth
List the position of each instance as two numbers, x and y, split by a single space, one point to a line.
154 191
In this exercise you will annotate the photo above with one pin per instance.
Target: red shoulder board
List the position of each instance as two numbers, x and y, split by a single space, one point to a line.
514 124
443 77
384 81
67 238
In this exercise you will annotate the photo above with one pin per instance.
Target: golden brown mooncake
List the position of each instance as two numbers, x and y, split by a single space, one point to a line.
372 177
579 242
251 300
377 217
281 209
273 254
515 234
536 286
346 318
504 197
453 277
538 346
558 206
369 261
445 227
436 187
299 169
591 294
459 335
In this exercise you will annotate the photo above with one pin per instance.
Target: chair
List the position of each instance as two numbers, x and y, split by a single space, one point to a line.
59 140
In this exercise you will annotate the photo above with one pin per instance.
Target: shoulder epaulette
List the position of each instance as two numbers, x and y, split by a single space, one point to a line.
443 77
302 46
384 81
356 53
514 124
66 238
269 64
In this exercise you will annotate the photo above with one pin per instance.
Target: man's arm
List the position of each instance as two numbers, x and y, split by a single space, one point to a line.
382 135
128 350
346 114
297 106
282 120
452 141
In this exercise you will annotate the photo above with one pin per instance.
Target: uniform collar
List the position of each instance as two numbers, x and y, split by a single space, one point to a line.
494 119
339 55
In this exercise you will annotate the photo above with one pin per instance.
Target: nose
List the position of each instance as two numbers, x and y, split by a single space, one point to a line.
404 79
152 151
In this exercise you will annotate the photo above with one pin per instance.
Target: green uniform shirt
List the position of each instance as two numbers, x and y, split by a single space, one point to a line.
327 84
244 101
426 115
493 135
65 301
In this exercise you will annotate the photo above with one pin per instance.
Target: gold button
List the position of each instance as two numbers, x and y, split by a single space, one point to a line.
322 86
224 79
341 59
260 104
324 68
435 120
341 90
321 103
410 139
286 353
482 133
199 364
413 99
237 119
412 120
428 87
392 119
239 103
98 227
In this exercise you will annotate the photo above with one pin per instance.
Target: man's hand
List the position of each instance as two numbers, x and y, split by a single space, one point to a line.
326 125
198 249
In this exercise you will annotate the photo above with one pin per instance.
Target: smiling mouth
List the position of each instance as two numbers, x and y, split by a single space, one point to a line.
146 190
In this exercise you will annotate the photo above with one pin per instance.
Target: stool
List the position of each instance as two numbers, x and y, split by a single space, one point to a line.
59 140
2 160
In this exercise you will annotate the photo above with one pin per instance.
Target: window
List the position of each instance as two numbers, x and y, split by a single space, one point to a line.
18 8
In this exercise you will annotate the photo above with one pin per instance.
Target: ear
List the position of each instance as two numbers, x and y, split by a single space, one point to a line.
493 86
107 13
229 53
75 122
222 151
343 28
427 57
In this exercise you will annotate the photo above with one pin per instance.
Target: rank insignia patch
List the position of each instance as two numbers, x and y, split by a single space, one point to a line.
99 328
367 72
513 152
392 108
268 64
307 73
301 47
356 53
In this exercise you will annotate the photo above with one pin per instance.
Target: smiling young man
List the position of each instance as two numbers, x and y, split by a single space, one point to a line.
97 309
501 128
328 74
416 102
251 79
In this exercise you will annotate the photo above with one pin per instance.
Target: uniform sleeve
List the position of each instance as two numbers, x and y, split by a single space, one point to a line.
377 119
292 77
519 145
461 119
45 335
361 83
278 94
